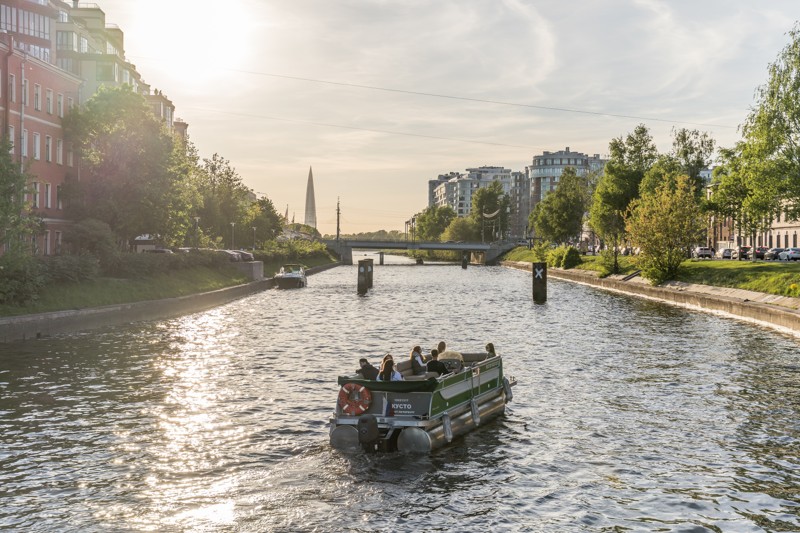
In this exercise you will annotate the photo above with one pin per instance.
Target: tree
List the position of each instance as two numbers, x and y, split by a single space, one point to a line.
772 131
266 220
225 198
461 229
693 151
559 217
126 156
629 161
17 223
432 222
489 211
664 224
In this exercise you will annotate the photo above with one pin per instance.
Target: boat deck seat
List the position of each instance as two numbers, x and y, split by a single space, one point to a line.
421 377
474 357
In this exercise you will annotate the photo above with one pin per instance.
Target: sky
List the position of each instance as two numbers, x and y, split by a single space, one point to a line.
380 96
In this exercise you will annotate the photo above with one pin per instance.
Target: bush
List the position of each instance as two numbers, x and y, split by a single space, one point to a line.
72 268
21 278
564 257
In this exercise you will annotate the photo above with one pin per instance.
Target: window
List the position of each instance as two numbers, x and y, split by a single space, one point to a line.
12 87
48 148
24 92
49 102
47 193
58 242
24 142
60 105
69 158
69 103
37 148
37 97
47 242
11 138
59 205
35 194
59 152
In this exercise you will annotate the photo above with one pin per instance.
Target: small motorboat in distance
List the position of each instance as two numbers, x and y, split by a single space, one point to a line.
423 412
291 277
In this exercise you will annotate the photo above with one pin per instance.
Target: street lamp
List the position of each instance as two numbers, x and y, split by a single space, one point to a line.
232 239
254 238
196 231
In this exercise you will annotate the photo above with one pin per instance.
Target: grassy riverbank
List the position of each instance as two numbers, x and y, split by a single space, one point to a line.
109 291
770 277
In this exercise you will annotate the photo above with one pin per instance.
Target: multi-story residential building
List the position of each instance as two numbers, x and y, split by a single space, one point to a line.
55 55
456 190
546 170
34 96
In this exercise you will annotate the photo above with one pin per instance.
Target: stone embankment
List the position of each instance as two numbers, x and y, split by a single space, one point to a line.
779 312
25 327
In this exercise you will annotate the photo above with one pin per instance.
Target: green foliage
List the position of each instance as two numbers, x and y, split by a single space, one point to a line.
21 278
772 132
630 160
609 263
295 250
665 225
433 221
71 268
94 237
462 229
126 160
563 257
489 212
559 217
380 235
17 223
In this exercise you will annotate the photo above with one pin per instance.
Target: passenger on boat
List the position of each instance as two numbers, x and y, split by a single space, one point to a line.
490 350
417 364
434 365
367 370
441 347
388 373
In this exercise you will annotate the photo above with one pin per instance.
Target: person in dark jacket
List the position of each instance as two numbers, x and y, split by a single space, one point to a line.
434 365
367 370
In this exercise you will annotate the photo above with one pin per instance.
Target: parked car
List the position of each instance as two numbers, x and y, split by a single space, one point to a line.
742 252
245 255
159 251
232 256
725 253
702 252
790 254
773 254
760 252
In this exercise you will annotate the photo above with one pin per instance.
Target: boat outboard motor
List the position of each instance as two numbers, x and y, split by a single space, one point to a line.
368 432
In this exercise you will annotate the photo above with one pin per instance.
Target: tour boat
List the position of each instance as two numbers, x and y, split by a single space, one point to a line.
290 277
420 413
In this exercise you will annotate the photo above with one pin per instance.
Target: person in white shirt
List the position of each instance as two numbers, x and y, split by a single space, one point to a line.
388 373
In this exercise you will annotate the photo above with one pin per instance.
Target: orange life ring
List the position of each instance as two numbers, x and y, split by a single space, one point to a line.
354 399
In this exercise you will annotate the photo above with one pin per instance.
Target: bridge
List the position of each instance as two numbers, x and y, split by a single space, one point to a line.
482 253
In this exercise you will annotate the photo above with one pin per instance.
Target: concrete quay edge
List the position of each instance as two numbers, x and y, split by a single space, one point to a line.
784 318
26 327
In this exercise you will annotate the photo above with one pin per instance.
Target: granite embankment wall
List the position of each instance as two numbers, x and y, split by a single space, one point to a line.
25 327
762 313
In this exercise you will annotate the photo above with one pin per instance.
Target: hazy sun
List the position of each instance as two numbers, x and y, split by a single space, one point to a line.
194 42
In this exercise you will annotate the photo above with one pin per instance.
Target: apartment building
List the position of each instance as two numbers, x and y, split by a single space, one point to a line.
55 55
546 169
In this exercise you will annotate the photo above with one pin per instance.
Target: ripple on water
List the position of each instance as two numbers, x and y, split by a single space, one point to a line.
628 415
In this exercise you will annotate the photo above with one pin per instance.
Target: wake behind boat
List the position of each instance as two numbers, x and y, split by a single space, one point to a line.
422 412
291 276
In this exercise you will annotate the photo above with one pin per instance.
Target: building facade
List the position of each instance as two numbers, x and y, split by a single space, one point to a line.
55 55
546 169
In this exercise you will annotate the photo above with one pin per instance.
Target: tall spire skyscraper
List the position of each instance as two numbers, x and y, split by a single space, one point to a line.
311 206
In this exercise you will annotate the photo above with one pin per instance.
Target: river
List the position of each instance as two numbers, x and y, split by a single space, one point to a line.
628 415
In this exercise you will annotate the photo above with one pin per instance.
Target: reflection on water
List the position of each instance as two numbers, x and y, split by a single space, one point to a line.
628 415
